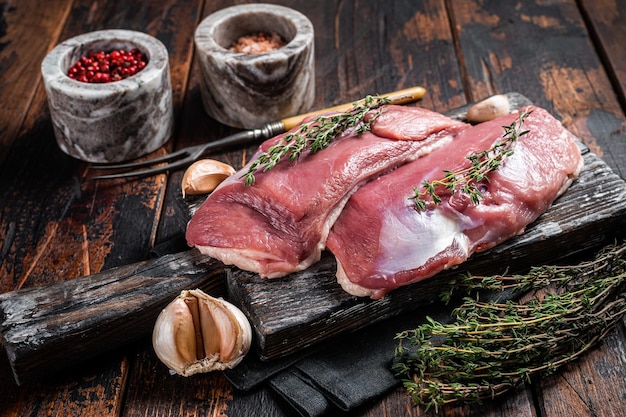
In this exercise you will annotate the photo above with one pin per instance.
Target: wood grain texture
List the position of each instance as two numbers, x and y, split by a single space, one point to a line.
60 326
152 389
21 52
54 226
402 44
518 403
607 26
546 49
70 394
594 385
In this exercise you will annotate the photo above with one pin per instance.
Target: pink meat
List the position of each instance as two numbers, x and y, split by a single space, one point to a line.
381 241
280 224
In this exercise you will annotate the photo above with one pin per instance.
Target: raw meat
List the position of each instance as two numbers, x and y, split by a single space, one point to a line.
381 241
280 224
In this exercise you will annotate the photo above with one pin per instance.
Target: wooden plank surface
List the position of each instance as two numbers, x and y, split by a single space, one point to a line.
58 226
22 50
59 326
607 26
546 49
54 226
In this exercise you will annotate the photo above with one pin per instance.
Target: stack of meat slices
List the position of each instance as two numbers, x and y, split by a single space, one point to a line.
280 224
353 198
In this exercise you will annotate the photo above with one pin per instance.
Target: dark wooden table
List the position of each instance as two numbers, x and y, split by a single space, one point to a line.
567 56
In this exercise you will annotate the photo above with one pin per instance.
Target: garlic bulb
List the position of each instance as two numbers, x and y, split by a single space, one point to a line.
198 333
204 176
489 109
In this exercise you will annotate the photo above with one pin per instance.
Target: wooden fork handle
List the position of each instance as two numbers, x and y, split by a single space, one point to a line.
407 95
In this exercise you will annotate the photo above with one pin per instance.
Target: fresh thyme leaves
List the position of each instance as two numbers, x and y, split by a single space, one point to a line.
482 163
317 135
491 346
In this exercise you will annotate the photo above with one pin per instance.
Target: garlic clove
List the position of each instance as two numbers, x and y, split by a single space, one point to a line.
198 333
209 329
174 351
204 176
489 109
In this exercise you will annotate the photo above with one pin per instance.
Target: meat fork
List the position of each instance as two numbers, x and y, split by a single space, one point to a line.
186 156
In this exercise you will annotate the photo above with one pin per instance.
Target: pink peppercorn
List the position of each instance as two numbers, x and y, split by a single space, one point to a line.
103 67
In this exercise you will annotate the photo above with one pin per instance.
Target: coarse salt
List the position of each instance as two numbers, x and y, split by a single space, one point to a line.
257 43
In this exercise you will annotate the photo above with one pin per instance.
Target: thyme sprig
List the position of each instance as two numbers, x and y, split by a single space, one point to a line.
482 163
317 135
491 346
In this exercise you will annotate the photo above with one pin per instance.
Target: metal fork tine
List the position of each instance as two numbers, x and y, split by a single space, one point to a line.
132 165
146 172
187 155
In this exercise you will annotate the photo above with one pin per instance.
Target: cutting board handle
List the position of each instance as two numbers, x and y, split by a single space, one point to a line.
60 325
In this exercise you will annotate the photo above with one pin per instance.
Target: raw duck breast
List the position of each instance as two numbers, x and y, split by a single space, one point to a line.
280 224
381 241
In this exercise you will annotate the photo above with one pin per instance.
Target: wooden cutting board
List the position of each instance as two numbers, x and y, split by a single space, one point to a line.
309 307
54 327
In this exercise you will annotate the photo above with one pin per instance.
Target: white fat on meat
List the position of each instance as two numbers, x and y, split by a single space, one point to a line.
404 250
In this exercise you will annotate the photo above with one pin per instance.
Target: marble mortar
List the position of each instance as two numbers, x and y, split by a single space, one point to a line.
116 121
250 90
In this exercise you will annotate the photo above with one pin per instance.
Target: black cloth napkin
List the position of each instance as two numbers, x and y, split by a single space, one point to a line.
301 393
343 374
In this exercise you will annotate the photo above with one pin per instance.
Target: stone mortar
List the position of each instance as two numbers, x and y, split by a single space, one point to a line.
250 90
116 121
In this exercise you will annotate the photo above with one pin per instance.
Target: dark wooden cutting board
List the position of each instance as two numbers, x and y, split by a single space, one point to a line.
57 326
308 307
